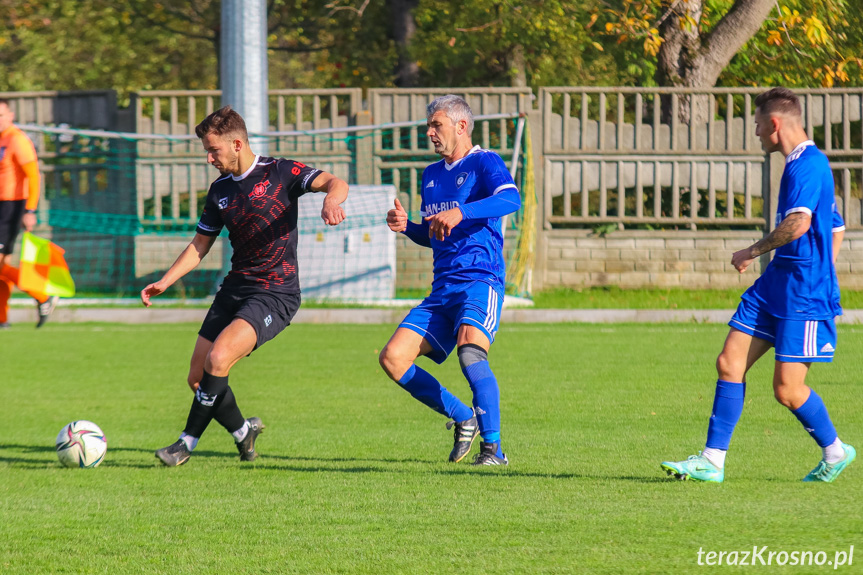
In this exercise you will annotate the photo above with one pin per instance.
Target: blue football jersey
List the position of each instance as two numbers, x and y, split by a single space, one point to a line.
838 222
474 248
800 282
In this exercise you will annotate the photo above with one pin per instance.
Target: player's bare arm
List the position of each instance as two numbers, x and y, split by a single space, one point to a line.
442 223
31 170
837 243
397 218
791 228
337 192
186 262
28 221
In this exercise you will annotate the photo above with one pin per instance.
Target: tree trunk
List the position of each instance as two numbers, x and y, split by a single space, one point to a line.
217 46
402 30
517 65
688 58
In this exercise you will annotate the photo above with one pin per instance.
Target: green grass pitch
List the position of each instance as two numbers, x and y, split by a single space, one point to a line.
352 476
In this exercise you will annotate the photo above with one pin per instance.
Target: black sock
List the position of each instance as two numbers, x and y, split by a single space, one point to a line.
227 413
210 392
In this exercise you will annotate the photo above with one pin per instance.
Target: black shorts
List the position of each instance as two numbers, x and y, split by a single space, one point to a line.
11 212
268 312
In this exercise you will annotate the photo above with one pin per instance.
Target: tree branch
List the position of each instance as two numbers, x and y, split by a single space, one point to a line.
301 50
334 7
479 28
134 7
741 22
788 34
667 13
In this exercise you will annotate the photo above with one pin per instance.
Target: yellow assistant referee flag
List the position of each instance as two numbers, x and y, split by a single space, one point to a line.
43 268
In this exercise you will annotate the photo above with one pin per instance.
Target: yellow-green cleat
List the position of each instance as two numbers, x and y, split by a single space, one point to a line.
695 468
828 472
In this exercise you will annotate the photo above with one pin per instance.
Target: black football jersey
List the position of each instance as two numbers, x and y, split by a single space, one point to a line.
260 211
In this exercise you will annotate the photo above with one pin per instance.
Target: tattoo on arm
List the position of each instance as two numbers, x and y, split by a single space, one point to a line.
785 233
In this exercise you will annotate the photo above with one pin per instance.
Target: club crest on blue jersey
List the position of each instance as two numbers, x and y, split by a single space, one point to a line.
460 179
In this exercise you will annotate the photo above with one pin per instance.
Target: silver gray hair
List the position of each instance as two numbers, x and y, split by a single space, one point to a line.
455 108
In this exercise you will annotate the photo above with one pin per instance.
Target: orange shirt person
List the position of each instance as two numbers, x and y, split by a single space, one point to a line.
19 196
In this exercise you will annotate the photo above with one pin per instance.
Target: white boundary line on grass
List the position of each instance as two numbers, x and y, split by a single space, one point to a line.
133 302
157 315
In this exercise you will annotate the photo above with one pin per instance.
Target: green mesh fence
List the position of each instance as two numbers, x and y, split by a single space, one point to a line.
124 206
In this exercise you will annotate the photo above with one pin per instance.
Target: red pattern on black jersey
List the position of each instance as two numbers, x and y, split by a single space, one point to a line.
260 212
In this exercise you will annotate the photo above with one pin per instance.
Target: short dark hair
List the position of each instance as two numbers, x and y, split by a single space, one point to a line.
223 121
779 100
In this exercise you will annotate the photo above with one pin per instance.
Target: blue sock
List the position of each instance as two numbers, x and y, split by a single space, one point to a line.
727 407
424 387
486 401
815 419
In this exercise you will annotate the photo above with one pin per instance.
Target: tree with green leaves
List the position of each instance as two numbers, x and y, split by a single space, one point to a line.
137 45
308 40
93 44
701 43
503 42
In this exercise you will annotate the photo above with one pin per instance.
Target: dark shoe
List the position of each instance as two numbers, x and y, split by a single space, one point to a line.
5 325
488 455
175 454
45 309
246 447
463 436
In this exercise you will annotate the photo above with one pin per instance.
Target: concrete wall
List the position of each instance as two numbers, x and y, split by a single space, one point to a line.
687 259
849 264
581 258
566 258
634 259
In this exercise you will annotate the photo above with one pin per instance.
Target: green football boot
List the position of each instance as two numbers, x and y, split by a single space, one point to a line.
828 472
695 468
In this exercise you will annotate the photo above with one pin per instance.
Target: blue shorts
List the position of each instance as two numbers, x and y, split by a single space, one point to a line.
796 341
440 315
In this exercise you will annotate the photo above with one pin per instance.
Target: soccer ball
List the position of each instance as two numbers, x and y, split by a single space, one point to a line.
81 444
